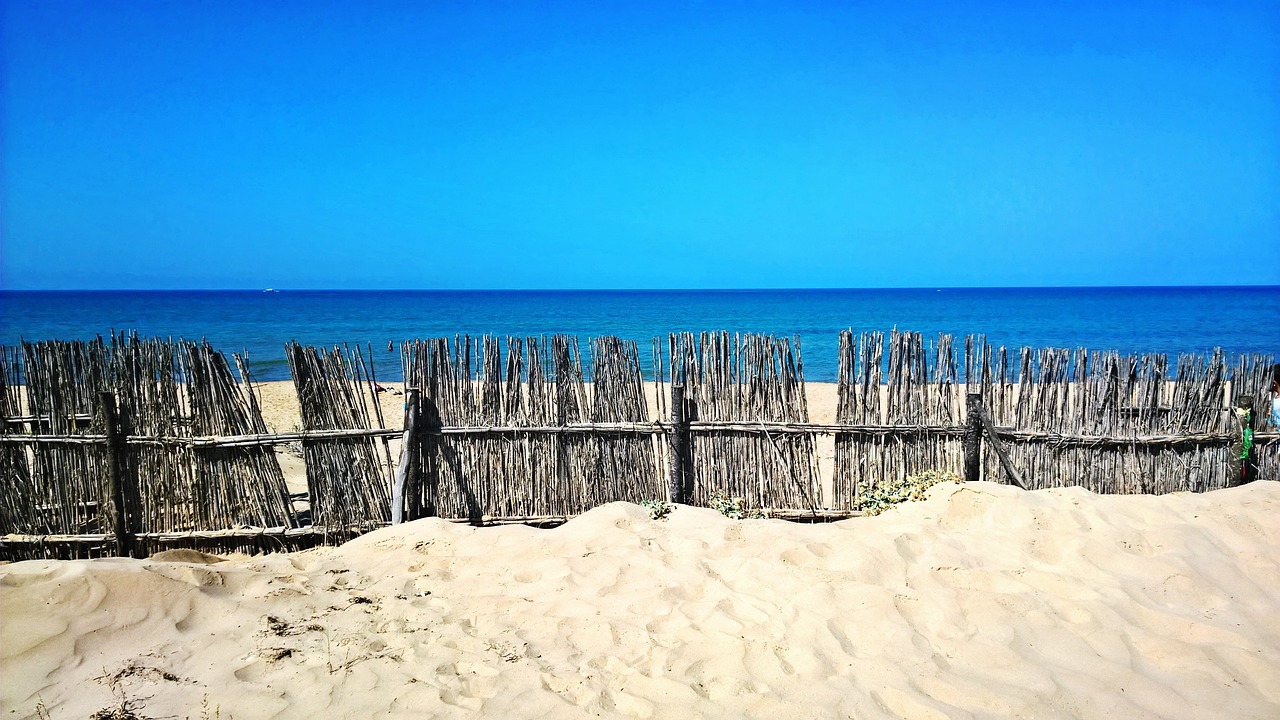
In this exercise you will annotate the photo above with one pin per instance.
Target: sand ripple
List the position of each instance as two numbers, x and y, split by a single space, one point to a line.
980 602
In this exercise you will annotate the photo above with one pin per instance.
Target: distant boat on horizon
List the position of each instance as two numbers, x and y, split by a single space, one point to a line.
269 290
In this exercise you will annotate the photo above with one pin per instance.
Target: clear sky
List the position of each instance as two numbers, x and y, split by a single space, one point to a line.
362 144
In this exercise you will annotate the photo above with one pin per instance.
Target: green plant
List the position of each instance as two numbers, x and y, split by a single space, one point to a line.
888 494
734 507
730 507
658 509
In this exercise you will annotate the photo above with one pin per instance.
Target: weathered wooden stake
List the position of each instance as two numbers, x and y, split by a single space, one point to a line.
115 474
407 441
1014 476
679 443
1242 449
973 437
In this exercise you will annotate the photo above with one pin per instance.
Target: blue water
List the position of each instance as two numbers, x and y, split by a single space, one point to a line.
1168 320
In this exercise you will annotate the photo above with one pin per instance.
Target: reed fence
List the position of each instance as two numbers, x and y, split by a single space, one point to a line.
134 444
107 447
348 485
898 419
514 430
742 394
1120 424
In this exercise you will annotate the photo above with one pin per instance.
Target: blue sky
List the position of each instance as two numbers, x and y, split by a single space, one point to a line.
605 145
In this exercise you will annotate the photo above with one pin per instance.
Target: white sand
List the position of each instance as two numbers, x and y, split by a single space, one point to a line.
984 601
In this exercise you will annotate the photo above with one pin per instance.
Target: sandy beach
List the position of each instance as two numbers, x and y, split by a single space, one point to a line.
983 601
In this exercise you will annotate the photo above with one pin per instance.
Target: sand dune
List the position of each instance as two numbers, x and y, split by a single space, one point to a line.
983 601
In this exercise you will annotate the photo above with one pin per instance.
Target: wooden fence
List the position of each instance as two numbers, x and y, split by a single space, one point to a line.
347 485
744 401
524 435
111 451
135 444
897 419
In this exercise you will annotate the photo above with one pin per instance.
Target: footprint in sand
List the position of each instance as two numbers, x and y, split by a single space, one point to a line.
839 630
966 508
253 670
528 576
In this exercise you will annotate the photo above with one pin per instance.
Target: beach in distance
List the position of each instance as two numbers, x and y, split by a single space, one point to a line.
982 601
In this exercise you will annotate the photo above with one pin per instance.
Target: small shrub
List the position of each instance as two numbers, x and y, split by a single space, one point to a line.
734 507
658 509
876 500
730 507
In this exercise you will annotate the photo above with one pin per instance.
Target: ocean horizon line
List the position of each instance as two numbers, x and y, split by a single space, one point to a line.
1019 288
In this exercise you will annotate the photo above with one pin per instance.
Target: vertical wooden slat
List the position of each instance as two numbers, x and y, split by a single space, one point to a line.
115 475
973 437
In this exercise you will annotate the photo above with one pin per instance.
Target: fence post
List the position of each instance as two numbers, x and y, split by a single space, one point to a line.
115 474
679 442
407 454
1242 449
973 437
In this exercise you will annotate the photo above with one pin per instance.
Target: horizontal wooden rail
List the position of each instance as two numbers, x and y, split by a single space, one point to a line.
48 418
635 428
1055 438
252 533
283 438
783 428
204 441
649 428
19 539
53 439
173 537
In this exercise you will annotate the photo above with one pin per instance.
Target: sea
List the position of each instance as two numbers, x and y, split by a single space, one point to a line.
1169 320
